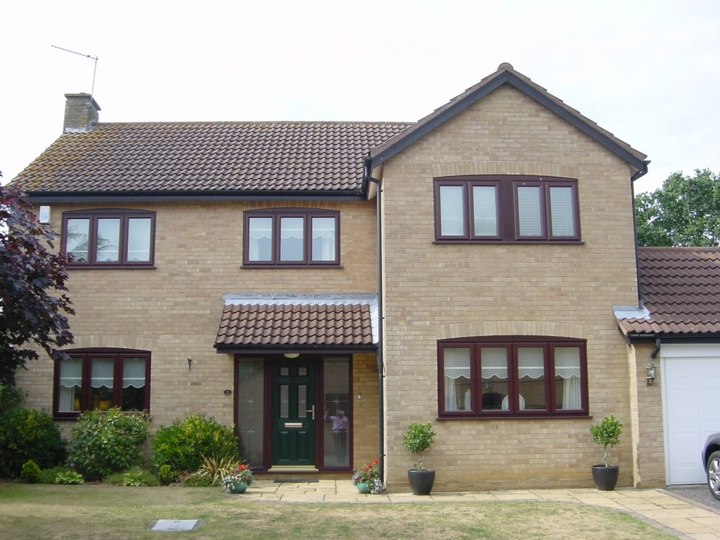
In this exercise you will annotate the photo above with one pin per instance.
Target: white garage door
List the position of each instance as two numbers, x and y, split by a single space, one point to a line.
691 407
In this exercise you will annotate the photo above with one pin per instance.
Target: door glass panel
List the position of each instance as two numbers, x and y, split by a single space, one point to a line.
284 401
108 240
302 401
336 404
250 399
78 234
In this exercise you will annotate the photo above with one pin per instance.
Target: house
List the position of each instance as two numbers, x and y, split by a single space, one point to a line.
322 284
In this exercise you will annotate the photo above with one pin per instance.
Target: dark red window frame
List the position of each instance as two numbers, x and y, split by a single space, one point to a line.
123 215
507 208
86 355
276 214
512 344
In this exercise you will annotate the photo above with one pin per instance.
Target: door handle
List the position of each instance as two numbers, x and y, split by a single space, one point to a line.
311 411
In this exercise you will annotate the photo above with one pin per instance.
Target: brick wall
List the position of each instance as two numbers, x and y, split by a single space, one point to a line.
434 291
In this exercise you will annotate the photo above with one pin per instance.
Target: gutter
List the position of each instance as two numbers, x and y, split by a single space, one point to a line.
367 177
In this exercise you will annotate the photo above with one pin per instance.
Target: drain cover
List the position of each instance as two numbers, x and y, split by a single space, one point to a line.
175 524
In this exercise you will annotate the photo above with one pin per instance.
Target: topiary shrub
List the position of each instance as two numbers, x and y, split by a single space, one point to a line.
183 444
30 472
107 442
27 434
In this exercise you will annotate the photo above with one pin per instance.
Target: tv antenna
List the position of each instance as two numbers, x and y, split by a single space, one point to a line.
92 91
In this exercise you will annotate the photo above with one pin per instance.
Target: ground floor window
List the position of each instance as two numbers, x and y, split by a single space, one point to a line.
512 376
101 379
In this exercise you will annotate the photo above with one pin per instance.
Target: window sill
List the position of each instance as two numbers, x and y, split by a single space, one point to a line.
506 416
511 242
292 267
112 267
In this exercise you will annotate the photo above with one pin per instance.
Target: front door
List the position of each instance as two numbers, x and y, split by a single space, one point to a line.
293 412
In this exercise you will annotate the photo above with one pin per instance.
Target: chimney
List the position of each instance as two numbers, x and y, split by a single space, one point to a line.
81 113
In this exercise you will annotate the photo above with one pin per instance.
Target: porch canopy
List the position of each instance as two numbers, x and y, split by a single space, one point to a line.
285 322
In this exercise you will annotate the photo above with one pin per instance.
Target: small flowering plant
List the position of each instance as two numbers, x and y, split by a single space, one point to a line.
241 473
369 474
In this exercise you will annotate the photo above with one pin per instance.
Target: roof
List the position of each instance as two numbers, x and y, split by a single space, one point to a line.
151 158
681 291
505 74
297 321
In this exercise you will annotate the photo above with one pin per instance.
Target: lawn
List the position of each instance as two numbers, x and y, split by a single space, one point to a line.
109 512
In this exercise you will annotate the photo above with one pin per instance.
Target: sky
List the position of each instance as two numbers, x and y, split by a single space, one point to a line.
647 71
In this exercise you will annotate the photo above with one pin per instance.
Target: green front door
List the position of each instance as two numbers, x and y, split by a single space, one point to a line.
293 412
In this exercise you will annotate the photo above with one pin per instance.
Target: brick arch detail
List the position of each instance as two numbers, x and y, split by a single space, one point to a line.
512 328
528 168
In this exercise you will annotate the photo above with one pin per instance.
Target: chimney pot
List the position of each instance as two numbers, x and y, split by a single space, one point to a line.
81 113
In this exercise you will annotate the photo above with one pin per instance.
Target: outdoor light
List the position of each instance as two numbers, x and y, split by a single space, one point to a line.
291 355
651 373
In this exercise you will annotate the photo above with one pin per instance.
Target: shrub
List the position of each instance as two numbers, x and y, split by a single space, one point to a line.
69 477
10 397
418 438
48 476
30 472
132 477
183 444
217 468
107 442
27 434
166 475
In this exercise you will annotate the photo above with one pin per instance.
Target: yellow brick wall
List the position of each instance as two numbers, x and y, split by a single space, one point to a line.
174 309
366 432
434 291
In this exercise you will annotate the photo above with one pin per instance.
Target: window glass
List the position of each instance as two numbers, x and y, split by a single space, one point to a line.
457 379
529 211
260 239
77 238
138 243
494 377
108 240
101 384
562 212
250 399
70 385
133 390
338 420
452 216
531 378
485 211
323 239
568 394
291 239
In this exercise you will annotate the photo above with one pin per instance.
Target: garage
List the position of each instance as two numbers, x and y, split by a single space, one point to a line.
691 407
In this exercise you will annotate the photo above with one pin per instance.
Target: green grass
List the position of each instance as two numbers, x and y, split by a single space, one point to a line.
110 512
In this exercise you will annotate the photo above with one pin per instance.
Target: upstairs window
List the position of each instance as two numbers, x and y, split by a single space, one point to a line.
102 379
508 376
291 238
506 209
110 238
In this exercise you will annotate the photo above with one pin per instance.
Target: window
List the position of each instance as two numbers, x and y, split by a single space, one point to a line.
504 376
110 238
506 209
292 237
101 379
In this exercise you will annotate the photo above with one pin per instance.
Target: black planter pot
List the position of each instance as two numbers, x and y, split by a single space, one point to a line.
421 481
605 477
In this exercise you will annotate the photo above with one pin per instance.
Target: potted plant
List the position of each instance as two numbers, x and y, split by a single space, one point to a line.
607 433
418 438
367 479
238 480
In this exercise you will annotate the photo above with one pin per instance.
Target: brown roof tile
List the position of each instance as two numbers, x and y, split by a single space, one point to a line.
147 157
681 291
281 322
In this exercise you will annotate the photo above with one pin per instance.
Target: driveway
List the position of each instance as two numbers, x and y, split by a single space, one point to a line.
695 493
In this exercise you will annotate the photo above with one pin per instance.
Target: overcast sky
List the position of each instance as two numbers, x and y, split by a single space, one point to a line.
648 71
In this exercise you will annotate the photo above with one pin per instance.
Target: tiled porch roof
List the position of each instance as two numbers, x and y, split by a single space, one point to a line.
681 292
296 320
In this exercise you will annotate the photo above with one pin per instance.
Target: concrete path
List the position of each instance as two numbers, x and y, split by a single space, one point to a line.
679 516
